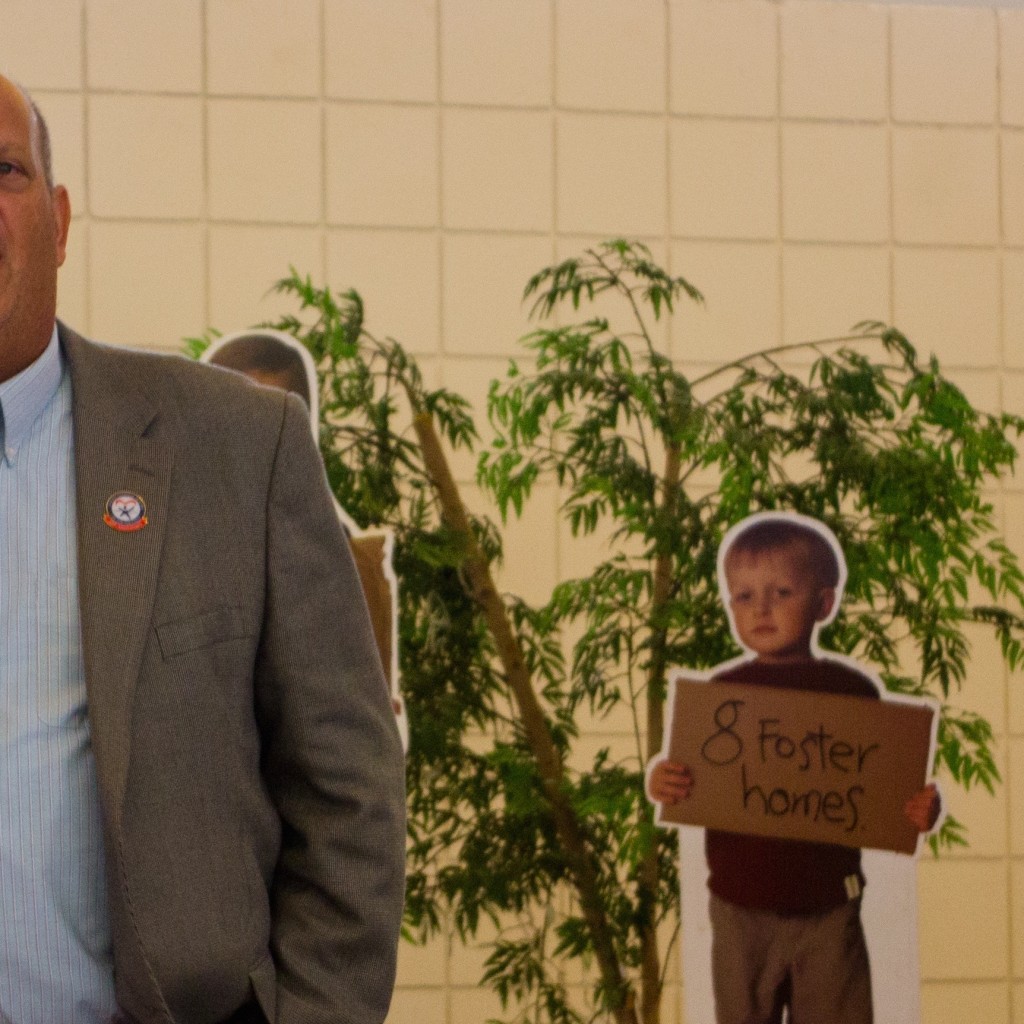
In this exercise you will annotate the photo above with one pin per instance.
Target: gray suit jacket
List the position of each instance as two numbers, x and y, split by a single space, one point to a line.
249 768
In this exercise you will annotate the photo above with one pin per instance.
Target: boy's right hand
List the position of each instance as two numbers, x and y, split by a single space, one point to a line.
669 782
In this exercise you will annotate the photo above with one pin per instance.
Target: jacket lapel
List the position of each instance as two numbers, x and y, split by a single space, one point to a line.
119 448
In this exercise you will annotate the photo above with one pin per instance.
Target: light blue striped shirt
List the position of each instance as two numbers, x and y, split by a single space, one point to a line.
56 961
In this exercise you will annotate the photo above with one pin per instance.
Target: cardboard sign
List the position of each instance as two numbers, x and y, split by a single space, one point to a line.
799 765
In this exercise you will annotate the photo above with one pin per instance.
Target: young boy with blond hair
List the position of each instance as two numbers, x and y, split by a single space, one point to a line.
785 914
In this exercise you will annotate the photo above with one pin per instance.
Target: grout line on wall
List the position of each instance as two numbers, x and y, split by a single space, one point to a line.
461 105
553 115
324 149
891 169
1008 781
553 125
440 228
1000 208
83 92
780 185
669 334
204 131
587 237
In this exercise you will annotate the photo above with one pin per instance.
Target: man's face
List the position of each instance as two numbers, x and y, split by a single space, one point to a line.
33 234
776 602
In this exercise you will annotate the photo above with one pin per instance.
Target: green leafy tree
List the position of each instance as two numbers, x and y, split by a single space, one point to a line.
509 822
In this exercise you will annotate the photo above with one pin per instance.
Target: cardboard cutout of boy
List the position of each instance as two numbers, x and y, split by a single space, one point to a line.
779 926
278 360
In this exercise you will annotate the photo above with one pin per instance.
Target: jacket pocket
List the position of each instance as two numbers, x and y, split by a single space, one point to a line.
199 631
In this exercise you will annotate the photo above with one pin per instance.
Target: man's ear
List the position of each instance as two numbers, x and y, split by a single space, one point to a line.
61 204
826 602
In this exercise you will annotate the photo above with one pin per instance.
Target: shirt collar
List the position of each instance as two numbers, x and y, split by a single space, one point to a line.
25 395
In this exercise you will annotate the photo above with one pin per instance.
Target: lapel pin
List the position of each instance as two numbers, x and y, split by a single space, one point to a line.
126 512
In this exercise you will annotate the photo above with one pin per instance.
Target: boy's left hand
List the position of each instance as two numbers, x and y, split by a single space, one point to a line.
922 809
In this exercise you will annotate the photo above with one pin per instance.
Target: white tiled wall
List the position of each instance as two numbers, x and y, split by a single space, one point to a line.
806 164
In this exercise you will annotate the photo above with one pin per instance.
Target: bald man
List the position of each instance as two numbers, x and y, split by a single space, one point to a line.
202 782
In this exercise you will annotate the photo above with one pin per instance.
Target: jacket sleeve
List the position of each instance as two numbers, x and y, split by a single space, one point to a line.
332 759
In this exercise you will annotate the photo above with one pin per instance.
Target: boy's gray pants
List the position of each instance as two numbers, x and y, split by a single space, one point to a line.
817 965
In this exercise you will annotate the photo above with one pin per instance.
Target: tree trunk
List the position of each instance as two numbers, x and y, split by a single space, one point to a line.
482 590
647 882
